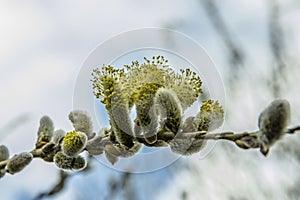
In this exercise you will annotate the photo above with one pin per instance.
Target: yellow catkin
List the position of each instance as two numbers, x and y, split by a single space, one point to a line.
74 142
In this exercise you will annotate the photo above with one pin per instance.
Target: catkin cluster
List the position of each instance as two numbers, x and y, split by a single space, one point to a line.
14 164
64 148
156 93
272 123
159 96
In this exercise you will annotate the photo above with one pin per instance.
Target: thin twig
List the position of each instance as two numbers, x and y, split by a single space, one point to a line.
236 57
293 130
58 187
277 46
204 135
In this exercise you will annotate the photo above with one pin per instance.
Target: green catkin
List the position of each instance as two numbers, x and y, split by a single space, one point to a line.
146 112
187 86
79 163
81 122
45 130
74 142
272 123
210 117
120 118
63 161
136 84
169 109
18 162
116 100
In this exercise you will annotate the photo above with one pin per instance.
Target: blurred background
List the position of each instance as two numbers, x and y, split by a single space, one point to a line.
254 44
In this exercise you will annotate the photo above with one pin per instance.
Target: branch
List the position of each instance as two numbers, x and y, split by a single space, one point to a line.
277 46
236 57
58 187
293 130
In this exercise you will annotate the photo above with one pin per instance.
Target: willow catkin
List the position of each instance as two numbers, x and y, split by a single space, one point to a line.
120 119
65 162
81 122
45 130
272 123
18 162
74 142
169 109
210 117
79 163
107 87
146 113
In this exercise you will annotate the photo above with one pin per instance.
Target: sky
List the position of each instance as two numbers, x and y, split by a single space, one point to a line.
44 46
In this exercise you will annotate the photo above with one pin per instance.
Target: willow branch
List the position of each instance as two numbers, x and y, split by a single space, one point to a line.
58 187
293 130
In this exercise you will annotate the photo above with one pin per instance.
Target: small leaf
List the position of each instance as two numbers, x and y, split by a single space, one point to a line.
111 158
95 146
